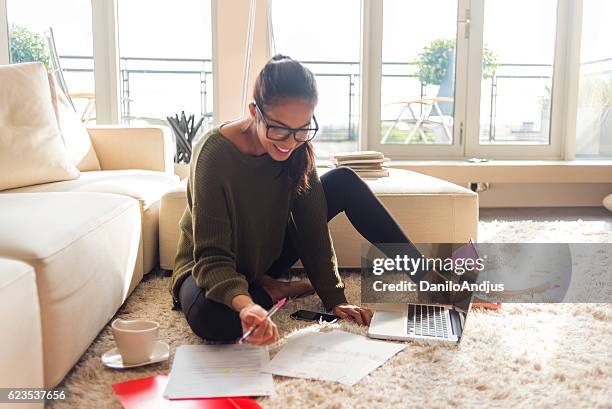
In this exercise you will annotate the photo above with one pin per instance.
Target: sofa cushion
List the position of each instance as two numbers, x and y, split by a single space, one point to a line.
36 226
76 138
21 360
84 248
146 186
31 147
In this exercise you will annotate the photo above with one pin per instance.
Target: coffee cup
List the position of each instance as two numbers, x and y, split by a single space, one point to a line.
135 339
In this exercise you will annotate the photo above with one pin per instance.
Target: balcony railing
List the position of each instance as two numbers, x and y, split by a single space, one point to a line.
341 76
132 67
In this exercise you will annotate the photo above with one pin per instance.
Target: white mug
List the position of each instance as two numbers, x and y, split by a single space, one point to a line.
135 339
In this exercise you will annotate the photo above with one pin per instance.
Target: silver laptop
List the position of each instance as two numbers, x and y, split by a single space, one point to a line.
429 322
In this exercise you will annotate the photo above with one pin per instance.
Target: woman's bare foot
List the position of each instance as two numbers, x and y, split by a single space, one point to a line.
485 305
280 289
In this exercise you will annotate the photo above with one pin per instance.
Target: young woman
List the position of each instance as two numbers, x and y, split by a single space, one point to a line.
255 205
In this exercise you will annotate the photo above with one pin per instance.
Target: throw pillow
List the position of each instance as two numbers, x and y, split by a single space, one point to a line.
31 148
76 138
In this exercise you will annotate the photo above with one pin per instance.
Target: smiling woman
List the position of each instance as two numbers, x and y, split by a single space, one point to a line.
247 177
255 205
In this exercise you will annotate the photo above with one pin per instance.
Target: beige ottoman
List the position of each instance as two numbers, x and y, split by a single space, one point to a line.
171 208
429 210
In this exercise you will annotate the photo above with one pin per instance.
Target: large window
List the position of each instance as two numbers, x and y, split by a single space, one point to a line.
165 59
70 21
594 121
325 36
467 78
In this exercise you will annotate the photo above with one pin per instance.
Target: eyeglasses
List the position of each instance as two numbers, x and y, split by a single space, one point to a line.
282 133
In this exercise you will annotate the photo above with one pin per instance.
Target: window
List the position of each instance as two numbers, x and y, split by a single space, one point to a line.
418 72
73 42
515 99
457 79
325 36
418 82
165 60
594 120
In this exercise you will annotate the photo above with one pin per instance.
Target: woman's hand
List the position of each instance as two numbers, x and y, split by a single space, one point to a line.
266 333
360 315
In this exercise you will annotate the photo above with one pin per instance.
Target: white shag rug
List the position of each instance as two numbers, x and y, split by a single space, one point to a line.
525 355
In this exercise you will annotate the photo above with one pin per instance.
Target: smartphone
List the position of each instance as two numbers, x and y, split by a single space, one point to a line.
305 315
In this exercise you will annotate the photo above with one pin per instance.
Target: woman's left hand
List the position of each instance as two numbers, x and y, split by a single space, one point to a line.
360 315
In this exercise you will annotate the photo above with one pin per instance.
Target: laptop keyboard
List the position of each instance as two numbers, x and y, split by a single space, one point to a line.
427 321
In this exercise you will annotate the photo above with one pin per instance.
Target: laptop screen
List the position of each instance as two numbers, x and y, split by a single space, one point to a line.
462 300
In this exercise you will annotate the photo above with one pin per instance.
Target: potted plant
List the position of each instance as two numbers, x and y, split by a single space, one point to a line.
436 66
433 61
185 131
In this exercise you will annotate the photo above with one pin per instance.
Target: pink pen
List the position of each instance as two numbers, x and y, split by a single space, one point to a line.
270 313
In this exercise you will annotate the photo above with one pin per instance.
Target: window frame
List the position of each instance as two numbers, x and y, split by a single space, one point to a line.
4 35
372 59
557 129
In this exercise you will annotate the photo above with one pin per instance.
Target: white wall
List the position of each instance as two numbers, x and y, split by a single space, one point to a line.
544 195
229 54
526 183
106 61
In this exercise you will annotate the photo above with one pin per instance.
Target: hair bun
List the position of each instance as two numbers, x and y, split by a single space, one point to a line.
280 57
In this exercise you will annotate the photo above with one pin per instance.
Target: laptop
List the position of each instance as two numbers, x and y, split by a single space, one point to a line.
428 322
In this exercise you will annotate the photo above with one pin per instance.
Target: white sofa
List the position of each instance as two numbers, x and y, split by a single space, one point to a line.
135 162
22 341
89 241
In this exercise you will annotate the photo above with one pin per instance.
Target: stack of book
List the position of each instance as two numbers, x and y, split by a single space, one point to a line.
367 164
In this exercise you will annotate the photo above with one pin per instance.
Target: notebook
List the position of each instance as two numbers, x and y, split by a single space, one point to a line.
147 393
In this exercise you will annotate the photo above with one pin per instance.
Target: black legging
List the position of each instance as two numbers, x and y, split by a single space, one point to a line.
344 191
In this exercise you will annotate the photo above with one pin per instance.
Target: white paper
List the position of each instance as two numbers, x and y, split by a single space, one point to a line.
214 371
336 356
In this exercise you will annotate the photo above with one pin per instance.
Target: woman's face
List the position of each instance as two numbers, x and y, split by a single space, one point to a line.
291 113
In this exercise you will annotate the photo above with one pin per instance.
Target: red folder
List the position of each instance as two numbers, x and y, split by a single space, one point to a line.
148 393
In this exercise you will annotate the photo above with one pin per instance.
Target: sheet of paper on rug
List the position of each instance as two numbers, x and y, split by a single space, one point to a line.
212 371
336 356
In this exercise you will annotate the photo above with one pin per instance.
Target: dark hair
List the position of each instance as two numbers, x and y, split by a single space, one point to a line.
285 78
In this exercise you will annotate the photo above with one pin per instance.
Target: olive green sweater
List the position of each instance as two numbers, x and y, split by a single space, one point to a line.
233 227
